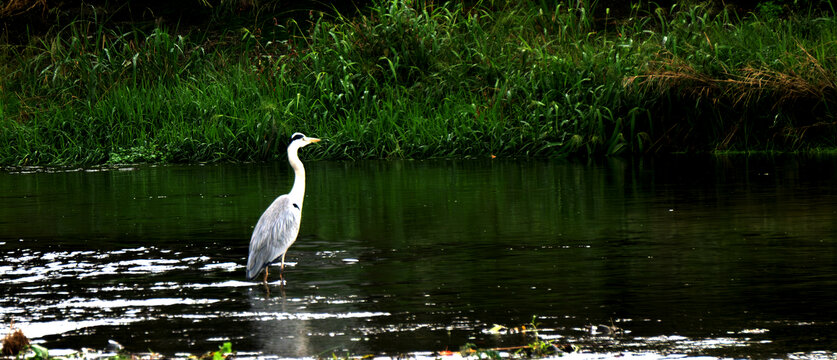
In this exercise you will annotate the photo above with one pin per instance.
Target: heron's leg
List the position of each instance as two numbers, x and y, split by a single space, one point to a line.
282 270
265 276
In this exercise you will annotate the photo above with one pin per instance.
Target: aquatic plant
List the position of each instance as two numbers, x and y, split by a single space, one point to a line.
537 348
38 352
224 350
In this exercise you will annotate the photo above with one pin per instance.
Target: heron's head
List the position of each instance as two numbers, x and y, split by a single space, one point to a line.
299 140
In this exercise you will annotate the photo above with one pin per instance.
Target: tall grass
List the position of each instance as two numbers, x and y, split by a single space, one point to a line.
400 80
751 84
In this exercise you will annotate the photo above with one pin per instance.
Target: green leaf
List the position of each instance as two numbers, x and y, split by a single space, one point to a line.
223 349
40 352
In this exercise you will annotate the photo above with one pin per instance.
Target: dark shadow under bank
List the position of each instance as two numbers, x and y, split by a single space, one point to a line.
24 18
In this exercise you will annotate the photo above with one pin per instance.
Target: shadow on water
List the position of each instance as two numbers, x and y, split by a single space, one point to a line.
691 255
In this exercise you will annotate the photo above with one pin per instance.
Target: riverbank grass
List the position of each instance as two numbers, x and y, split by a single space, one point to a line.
400 80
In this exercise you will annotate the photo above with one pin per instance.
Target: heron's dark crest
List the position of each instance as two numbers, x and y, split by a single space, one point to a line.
295 136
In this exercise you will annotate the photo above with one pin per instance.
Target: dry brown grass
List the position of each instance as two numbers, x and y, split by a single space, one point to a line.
14 342
16 7
807 81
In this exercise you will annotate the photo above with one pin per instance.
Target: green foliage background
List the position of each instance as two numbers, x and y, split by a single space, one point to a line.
403 79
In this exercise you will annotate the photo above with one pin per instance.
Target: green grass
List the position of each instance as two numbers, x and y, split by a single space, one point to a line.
437 80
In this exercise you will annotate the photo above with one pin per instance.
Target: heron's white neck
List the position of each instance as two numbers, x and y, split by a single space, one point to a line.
298 191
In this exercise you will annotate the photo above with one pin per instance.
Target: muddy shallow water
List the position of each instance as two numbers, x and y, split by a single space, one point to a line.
721 257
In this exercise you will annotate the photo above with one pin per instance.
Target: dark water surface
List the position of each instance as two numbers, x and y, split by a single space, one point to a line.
724 257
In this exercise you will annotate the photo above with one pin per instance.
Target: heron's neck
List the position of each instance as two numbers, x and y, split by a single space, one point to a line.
298 191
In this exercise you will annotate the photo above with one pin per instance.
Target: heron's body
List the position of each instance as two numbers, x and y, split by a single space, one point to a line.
275 232
278 226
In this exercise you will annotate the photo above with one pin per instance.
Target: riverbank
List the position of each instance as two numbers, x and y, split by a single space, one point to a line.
404 81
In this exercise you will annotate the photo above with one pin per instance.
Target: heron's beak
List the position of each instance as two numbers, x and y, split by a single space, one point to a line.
313 140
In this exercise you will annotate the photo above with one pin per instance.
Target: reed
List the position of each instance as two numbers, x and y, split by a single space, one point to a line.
400 80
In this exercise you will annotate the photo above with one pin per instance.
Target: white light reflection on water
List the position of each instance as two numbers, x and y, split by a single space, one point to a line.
23 280
42 266
36 330
223 284
123 303
227 266
271 316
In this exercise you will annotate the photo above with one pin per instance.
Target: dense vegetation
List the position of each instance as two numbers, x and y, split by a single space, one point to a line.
417 80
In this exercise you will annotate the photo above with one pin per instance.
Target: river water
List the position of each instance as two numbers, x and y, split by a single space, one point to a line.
696 256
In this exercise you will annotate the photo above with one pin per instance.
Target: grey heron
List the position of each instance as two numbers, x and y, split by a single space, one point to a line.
279 224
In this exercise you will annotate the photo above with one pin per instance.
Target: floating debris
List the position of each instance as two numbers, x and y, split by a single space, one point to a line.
502 330
605 330
114 346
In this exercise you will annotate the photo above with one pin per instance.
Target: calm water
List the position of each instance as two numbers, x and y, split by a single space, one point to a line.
723 257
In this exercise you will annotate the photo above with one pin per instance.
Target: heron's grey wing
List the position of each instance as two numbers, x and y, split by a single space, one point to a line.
273 235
